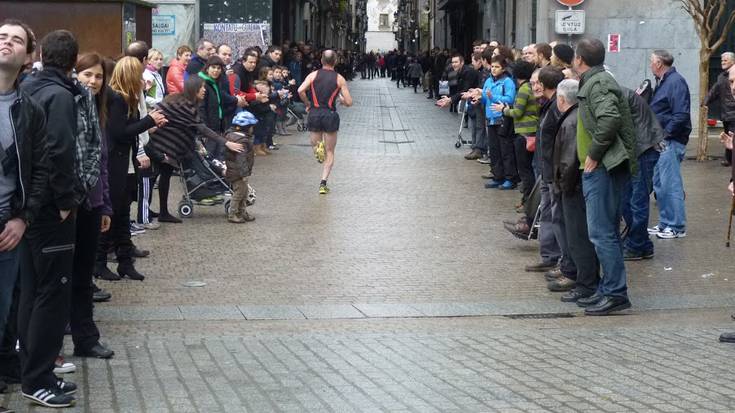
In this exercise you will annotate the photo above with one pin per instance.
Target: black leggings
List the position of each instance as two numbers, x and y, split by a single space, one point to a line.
164 184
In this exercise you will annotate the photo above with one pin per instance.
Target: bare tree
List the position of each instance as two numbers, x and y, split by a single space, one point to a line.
712 26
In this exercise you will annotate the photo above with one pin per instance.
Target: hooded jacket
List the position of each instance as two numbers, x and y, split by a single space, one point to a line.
502 90
56 92
29 121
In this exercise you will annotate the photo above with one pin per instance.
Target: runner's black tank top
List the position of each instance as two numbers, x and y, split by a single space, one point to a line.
324 89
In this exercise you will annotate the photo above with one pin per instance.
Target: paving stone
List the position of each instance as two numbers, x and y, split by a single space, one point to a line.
210 312
271 312
326 311
388 310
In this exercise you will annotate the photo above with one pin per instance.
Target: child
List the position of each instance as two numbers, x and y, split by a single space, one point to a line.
280 87
264 113
240 165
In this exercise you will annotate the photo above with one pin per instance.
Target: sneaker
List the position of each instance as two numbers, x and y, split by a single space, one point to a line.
62 366
66 386
654 230
485 160
669 233
493 183
136 229
323 189
153 225
50 398
507 185
319 152
206 201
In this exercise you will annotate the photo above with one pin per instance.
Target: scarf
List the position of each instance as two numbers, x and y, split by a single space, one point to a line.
213 83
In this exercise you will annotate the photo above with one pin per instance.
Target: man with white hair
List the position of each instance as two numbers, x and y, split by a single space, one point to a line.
529 54
568 182
721 92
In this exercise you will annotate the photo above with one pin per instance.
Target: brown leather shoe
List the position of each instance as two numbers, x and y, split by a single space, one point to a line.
562 284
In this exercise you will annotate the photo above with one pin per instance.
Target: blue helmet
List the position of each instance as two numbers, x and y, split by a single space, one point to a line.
244 118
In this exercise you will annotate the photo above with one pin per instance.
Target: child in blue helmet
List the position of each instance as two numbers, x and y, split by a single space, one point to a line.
240 165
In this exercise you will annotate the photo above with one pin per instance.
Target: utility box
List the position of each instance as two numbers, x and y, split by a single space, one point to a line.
103 26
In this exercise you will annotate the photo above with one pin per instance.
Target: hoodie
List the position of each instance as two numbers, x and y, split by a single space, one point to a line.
56 93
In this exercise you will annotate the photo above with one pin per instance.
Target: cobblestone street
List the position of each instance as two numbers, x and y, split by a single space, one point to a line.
400 291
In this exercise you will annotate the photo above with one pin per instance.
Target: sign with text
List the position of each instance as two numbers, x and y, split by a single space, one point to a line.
570 21
613 43
163 24
570 3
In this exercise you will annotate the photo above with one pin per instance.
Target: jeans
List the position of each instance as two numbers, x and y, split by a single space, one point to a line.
495 152
669 187
636 204
602 189
9 261
479 132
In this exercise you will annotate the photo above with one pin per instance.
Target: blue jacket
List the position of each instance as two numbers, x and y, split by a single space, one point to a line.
671 104
503 90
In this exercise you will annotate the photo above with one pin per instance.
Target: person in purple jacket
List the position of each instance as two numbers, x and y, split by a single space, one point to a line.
93 216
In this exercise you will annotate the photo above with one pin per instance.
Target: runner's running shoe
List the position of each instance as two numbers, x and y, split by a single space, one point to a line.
319 152
323 189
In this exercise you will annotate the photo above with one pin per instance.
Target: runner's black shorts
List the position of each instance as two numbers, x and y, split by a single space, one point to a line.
320 120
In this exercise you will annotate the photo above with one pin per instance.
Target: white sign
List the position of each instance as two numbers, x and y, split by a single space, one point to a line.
570 21
163 24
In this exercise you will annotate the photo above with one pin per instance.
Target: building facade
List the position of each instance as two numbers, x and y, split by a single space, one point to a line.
381 23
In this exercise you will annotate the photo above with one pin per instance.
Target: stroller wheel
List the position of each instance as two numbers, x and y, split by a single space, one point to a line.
186 209
227 206
458 144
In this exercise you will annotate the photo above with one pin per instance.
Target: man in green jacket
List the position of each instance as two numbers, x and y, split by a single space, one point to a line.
606 150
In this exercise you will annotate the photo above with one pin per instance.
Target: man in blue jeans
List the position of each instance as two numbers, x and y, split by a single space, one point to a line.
636 198
23 174
671 104
606 151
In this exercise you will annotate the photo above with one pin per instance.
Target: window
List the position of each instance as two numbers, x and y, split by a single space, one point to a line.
383 22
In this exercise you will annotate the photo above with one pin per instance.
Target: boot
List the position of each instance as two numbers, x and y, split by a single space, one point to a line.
475 154
258 150
245 216
126 269
235 218
102 272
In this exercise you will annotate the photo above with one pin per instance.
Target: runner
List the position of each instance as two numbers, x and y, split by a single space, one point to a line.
325 85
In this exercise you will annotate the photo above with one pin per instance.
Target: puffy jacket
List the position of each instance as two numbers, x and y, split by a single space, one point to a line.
175 77
29 122
503 90
606 132
566 175
721 91
649 132
239 165
56 93
671 104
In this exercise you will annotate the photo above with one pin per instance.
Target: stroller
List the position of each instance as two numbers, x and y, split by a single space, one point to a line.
296 112
202 177
462 109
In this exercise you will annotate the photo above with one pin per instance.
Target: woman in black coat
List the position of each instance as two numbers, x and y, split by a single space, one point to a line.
211 107
177 140
123 126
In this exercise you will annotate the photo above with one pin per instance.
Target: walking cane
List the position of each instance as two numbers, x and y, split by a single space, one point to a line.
729 225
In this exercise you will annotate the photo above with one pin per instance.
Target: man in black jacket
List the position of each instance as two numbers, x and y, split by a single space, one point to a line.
567 179
23 171
204 49
721 91
46 271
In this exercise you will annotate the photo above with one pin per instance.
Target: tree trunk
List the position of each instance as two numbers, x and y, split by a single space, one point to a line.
702 119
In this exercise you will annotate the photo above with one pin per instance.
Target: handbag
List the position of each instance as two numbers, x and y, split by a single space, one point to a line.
443 87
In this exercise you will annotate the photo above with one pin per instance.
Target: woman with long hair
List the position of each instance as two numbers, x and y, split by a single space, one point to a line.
122 129
176 141
211 107
93 217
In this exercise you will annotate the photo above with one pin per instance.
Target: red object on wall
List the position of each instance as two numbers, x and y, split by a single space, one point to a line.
570 3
